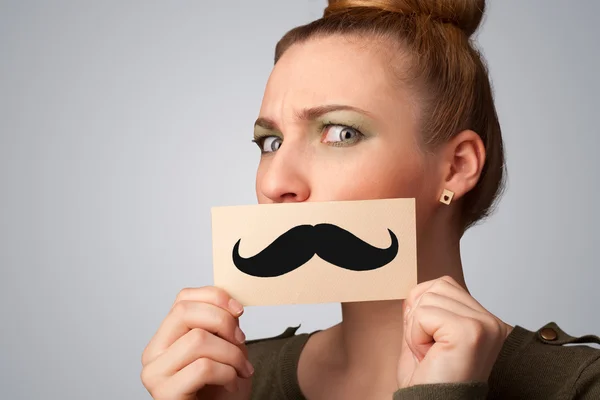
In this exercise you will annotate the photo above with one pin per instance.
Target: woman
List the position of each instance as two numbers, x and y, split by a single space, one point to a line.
378 99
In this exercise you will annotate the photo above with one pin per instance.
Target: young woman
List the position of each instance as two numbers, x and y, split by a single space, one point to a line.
377 99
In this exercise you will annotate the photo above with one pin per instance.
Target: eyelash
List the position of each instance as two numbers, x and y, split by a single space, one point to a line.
330 124
259 141
360 135
260 138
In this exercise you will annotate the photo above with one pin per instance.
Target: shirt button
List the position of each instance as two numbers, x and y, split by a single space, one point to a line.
548 334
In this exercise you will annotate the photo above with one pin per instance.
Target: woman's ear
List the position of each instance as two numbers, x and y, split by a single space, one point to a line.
463 158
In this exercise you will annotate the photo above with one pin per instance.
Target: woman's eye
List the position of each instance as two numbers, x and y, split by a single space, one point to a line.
341 133
271 144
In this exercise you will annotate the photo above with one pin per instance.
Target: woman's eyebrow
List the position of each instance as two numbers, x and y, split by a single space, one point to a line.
266 123
309 114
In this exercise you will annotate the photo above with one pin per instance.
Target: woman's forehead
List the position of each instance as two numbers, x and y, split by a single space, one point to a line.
331 70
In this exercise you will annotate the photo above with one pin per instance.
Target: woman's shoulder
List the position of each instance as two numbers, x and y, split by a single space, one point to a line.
547 362
272 346
275 361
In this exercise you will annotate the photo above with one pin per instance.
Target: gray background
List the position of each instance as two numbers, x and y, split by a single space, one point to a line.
122 123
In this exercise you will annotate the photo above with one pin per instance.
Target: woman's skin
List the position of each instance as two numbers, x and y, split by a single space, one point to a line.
336 124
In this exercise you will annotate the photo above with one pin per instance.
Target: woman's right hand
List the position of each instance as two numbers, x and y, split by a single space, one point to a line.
198 351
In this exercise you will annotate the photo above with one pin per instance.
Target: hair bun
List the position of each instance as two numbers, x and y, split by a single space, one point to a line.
465 14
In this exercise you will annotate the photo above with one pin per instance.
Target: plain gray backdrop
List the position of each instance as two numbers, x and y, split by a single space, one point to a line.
123 122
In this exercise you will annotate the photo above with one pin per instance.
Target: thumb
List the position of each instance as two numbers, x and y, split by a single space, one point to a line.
406 366
243 345
407 362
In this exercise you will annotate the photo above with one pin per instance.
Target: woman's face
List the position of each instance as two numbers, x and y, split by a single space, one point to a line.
335 125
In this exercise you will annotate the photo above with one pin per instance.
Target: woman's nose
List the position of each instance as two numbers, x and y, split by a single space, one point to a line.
285 178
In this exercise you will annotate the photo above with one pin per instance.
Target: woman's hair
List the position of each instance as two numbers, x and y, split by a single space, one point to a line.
447 71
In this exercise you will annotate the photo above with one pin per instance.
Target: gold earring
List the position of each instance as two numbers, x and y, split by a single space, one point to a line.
447 196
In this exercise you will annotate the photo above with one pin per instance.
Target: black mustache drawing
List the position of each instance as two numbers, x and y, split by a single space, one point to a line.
299 244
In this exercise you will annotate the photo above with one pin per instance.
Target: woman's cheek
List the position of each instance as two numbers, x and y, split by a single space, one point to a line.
365 181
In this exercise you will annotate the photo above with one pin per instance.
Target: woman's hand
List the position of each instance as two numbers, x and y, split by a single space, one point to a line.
448 336
198 351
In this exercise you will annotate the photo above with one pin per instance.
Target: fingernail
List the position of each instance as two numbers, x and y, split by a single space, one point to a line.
235 307
249 368
239 335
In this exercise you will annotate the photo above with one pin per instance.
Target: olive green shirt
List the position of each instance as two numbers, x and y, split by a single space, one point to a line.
547 364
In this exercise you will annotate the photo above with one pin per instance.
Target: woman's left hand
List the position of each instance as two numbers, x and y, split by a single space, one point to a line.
448 336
